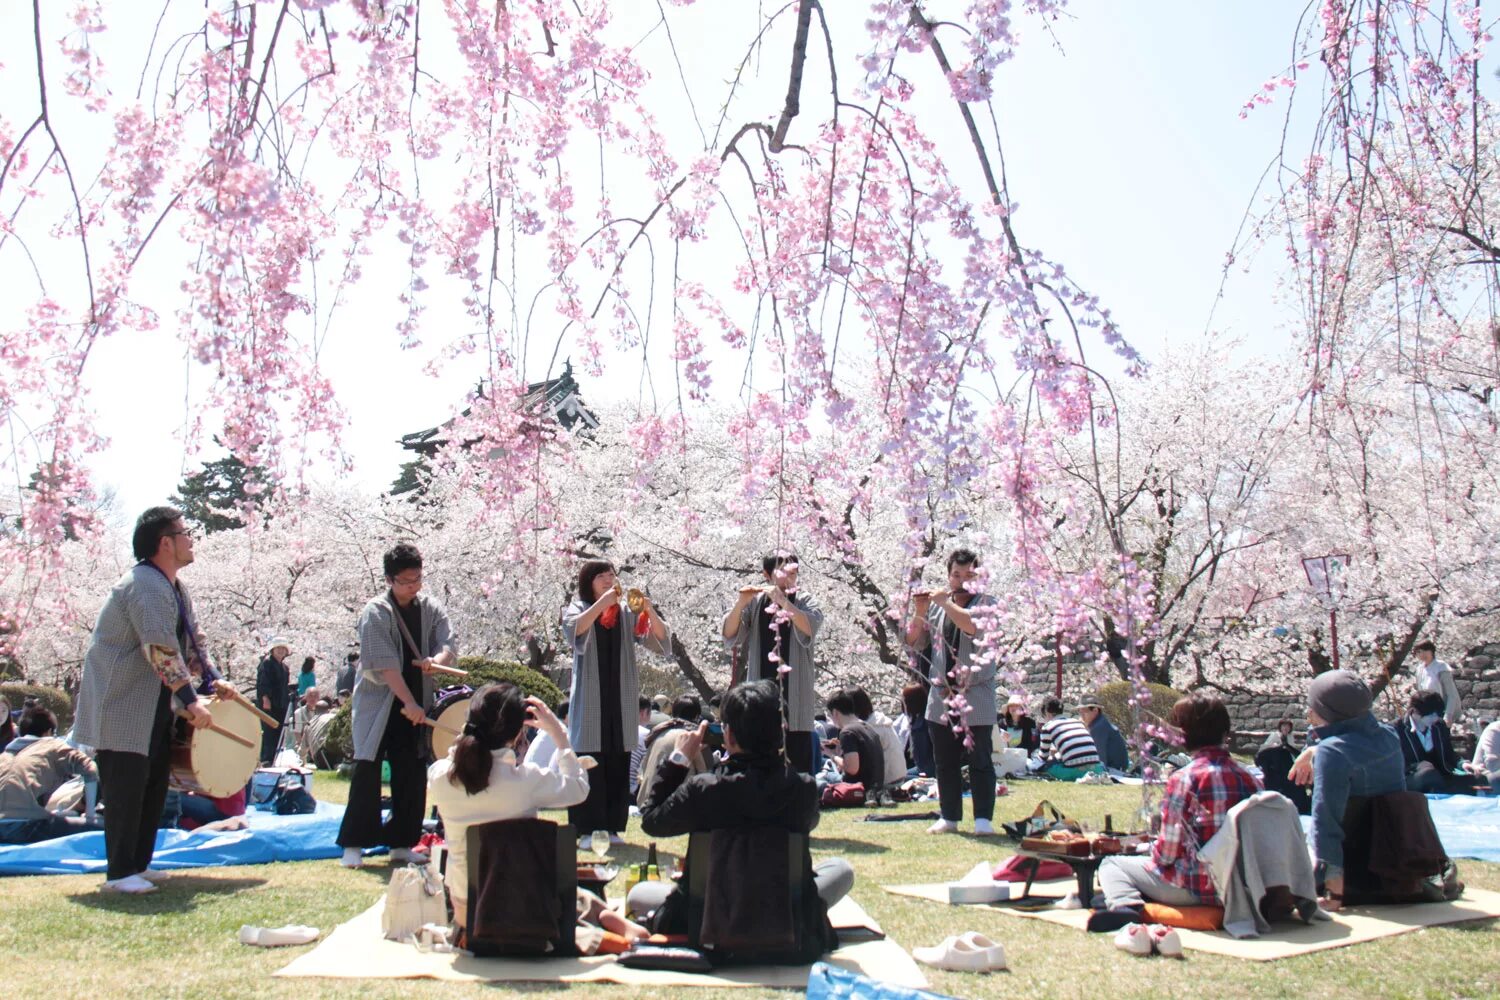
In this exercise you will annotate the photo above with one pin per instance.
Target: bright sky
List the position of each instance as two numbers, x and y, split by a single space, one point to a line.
1123 144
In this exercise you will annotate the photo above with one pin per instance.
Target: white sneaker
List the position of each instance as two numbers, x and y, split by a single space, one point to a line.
132 885
1133 939
354 857
967 952
1166 940
984 828
155 875
943 826
408 856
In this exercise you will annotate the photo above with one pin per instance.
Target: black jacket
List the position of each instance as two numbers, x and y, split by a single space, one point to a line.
752 791
1441 756
271 679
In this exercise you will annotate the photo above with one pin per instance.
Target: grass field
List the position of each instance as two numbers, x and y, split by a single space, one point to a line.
61 938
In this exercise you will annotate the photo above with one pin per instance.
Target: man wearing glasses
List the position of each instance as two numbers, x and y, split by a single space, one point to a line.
138 673
403 634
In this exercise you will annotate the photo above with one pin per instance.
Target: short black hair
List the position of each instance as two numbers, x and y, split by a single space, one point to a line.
401 557
37 721
963 557
863 707
150 528
1052 706
687 707
842 702
771 562
307 663
561 711
353 656
643 703
1202 719
1425 646
1428 703
752 711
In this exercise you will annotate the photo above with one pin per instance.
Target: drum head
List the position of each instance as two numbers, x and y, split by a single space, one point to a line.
216 765
454 713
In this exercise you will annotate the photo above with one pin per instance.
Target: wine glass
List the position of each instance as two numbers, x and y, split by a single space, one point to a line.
600 843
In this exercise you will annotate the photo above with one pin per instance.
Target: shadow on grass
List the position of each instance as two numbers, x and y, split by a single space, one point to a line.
180 893
845 845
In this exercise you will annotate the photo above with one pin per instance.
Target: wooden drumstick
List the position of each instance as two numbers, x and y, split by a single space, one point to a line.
447 670
262 716
438 725
222 732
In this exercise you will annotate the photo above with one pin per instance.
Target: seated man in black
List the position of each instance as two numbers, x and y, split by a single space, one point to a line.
1432 765
755 788
856 752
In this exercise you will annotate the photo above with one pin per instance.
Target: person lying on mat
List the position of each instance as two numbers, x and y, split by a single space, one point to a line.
482 779
1354 755
1197 799
756 788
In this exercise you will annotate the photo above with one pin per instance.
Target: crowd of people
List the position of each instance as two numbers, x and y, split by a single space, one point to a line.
762 756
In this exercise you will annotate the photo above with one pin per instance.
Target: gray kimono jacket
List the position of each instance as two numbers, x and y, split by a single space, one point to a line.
803 700
585 724
980 693
380 644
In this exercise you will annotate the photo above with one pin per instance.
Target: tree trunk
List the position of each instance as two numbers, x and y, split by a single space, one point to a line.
690 669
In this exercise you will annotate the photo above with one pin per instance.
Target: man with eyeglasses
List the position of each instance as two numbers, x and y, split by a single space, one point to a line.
403 634
138 673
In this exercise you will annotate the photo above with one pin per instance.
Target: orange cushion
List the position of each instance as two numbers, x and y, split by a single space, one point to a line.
1192 918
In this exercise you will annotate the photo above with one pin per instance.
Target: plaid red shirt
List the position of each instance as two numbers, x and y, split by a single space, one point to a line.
1198 798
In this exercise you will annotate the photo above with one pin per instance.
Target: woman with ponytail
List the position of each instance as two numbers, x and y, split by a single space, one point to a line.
483 778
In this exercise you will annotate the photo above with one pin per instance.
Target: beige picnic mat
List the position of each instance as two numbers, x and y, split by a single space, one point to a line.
1351 926
357 950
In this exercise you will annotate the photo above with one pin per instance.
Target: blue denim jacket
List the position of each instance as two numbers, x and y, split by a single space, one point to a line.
1355 757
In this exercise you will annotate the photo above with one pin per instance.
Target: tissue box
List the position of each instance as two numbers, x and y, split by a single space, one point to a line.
973 892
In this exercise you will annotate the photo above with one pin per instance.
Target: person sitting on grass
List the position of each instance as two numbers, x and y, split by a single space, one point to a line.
1432 765
1065 751
756 788
856 753
31 773
481 780
1197 799
1109 743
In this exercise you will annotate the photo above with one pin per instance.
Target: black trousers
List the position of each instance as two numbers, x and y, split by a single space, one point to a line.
799 750
362 826
949 757
268 738
608 804
133 789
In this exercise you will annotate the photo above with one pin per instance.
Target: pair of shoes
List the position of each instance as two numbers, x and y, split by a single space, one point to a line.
131 885
943 826
1143 939
966 952
354 857
407 856
275 937
155 875
984 828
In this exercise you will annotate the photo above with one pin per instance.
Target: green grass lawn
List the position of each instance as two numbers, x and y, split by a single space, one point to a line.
61 938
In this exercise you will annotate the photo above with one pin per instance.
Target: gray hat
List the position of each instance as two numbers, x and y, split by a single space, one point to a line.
1339 695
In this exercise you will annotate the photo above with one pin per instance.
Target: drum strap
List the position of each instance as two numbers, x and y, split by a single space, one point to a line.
190 628
411 644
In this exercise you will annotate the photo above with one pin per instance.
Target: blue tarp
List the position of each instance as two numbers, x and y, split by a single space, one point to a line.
269 838
1468 825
